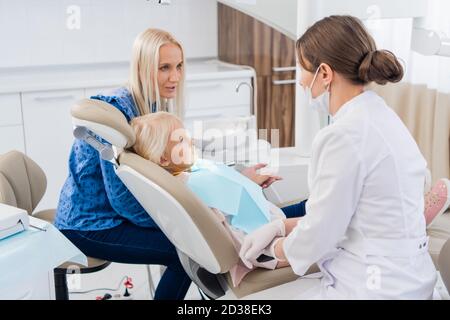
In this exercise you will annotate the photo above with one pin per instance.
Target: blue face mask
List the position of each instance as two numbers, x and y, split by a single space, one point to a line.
322 102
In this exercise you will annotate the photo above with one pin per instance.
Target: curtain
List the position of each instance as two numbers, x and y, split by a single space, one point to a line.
426 113
422 99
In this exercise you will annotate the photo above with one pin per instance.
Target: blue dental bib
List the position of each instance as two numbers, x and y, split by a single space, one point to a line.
223 188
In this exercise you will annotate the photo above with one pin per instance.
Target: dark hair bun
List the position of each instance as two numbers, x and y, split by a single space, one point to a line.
381 66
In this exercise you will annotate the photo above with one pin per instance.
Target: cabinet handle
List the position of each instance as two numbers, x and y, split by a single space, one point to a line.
65 97
281 82
284 69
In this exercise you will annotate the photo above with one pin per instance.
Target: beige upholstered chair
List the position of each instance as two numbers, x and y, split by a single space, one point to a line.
444 264
439 233
205 248
22 184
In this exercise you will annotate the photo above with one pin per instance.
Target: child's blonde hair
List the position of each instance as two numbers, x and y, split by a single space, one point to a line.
153 132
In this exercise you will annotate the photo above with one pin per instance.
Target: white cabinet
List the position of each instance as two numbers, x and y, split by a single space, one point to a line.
218 114
10 110
217 93
48 136
11 129
11 138
217 98
98 90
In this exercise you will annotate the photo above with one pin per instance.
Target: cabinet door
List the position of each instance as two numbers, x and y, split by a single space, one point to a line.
272 54
89 92
11 138
48 136
276 109
244 40
218 94
11 130
282 111
10 111
283 55
282 102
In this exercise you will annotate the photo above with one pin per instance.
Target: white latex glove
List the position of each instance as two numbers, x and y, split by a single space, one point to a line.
270 250
255 243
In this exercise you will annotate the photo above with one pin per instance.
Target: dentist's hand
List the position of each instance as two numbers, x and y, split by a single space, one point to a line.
261 179
255 242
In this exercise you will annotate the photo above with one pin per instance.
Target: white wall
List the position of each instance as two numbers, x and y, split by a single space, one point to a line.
34 33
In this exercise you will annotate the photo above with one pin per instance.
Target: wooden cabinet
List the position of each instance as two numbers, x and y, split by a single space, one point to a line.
246 41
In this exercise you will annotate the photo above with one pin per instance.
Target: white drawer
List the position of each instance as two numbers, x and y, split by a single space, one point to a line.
11 138
217 112
10 111
217 93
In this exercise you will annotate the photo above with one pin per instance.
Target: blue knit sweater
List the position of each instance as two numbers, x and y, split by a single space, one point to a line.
93 197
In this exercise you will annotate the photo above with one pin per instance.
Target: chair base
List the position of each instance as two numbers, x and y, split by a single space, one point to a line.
61 290
60 276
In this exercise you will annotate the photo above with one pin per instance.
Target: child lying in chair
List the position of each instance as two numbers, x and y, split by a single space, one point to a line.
161 138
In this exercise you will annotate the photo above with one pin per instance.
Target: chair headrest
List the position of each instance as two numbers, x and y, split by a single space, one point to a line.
105 121
22 181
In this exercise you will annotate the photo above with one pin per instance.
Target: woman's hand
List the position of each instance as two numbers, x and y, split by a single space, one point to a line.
263 180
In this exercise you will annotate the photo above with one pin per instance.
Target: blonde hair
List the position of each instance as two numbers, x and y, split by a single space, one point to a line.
143 80
153 133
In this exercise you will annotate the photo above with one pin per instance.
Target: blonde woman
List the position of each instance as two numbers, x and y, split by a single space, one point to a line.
96 211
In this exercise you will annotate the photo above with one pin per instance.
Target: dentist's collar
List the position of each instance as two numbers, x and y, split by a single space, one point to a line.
349 105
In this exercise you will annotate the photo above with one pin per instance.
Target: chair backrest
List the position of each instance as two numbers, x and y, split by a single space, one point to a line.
189 224
444 264
22 181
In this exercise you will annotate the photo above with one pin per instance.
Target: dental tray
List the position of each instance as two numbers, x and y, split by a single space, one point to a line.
12 220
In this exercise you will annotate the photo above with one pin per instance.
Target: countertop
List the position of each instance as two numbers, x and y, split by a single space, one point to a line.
59 77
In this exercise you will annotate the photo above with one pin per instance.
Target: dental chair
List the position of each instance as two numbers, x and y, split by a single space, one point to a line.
444 264
439 233
203 245
22 185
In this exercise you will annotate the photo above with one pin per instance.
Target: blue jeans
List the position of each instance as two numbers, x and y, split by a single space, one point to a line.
296 210
128 243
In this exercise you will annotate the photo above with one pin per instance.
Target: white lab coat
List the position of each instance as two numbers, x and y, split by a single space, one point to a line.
365 224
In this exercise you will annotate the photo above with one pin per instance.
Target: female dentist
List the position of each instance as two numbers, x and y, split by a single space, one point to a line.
364 223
